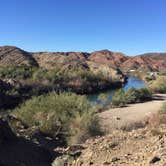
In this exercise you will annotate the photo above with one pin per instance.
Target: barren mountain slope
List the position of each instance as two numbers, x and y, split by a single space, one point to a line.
10 55
152 61
114 59
52 59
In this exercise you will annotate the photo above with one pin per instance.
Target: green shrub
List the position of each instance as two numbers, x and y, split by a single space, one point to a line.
158 85
144 94
16 72
66 114
119 98
131 95
60 75
39 74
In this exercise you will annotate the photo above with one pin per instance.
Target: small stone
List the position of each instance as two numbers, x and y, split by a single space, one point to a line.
154 160
113 145
106 163
117 118
90 163
114 159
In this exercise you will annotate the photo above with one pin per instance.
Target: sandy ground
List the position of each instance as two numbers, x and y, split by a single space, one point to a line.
133 115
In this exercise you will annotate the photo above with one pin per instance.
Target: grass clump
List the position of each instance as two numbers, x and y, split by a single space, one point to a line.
122 97
64 115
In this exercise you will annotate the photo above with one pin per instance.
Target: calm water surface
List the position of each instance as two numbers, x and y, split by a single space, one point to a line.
132 82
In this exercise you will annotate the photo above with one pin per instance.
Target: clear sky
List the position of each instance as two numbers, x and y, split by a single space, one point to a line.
129 26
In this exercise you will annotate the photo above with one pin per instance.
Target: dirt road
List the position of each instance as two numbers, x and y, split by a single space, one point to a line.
131 116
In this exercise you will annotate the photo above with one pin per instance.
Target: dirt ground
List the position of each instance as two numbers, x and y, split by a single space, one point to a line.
132 116
141 145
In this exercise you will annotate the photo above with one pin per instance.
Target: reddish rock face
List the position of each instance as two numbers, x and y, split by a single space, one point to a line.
108 57
151 61
78 55
50 60
10 55
146 61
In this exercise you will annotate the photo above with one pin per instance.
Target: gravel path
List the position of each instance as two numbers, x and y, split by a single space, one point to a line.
132 116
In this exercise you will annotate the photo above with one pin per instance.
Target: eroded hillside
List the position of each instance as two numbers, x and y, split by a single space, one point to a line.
10 55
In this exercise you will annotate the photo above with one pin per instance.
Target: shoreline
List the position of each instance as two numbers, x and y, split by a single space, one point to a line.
131 115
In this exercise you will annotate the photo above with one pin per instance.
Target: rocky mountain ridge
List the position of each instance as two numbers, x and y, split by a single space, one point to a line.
10 55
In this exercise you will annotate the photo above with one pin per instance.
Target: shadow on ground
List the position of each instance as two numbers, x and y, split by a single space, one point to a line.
16 151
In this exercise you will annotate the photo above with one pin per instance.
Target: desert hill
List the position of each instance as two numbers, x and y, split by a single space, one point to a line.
153 61
108 57
52 59
10 55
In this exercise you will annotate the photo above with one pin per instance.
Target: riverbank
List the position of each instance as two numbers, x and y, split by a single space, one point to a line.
131 116
136 143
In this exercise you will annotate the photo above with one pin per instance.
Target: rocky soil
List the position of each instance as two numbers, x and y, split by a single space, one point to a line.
132 138
141 147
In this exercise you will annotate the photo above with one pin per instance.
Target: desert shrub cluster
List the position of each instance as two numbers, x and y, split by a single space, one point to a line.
59 75
30 81
52 75
158 85
122 97
17 72
66 115
76 80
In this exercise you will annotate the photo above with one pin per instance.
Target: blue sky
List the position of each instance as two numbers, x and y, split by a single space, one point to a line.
129 26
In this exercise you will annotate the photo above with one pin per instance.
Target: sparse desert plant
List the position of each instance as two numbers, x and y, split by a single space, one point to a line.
67 115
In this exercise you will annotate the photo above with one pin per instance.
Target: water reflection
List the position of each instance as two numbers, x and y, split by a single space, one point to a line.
106 96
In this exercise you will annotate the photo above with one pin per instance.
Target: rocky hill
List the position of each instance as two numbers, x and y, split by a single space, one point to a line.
68 59
10 55
114 59
157 56
151 61
138 62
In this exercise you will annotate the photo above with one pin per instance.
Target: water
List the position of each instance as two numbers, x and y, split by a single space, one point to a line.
107 95
134 82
